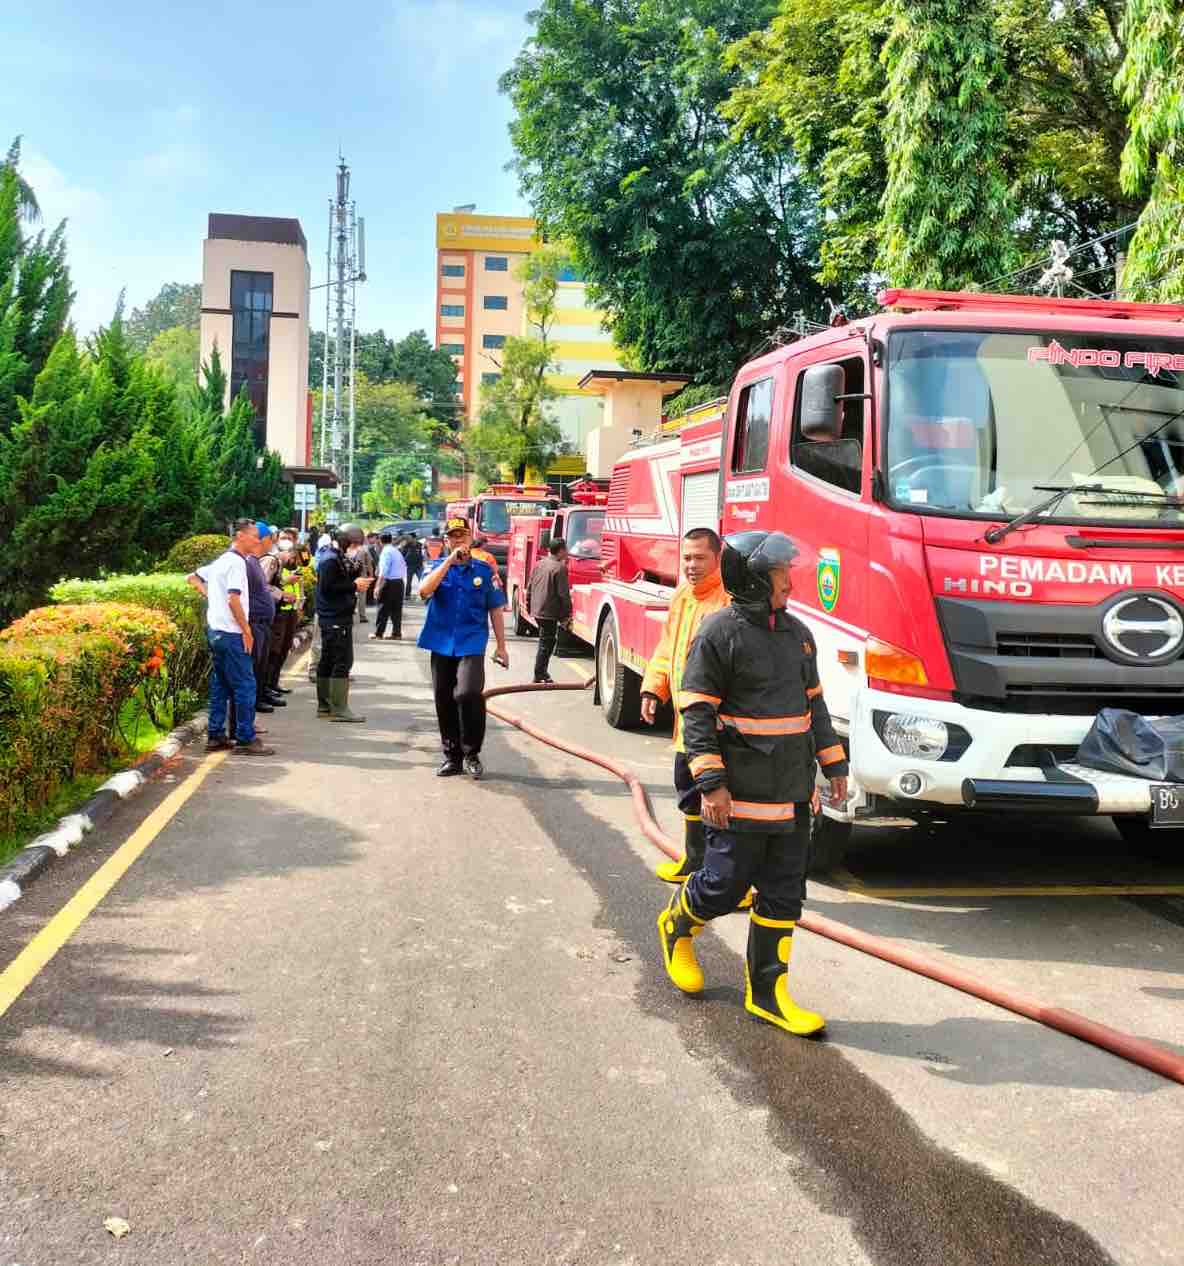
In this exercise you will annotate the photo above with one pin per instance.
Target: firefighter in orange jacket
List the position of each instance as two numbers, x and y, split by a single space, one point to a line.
755 729
701 595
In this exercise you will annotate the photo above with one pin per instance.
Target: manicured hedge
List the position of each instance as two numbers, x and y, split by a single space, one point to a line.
193 552
65 674
188 663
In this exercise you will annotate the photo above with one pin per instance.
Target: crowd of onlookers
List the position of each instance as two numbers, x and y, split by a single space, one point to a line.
256 601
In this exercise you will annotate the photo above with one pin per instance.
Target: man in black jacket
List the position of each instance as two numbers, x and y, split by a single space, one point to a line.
338 586
549 601
755 727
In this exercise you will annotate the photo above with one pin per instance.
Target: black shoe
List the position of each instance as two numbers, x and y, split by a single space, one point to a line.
276 701
218 743
473 767
449 769
280 690
264 707
545 680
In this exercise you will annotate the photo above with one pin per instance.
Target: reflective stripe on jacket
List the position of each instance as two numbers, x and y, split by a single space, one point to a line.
754 716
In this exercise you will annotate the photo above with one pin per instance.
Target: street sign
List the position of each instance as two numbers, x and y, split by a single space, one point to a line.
306 496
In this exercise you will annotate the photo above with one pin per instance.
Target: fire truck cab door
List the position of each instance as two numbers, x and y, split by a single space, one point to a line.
815 488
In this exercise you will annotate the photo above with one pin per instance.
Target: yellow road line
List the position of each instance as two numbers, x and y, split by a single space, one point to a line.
23 969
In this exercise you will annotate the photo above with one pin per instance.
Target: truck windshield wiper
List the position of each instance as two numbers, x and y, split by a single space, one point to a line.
1059 492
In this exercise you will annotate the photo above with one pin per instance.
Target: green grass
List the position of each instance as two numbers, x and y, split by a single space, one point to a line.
137 736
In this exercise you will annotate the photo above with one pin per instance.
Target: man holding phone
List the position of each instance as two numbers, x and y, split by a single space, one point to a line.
463 600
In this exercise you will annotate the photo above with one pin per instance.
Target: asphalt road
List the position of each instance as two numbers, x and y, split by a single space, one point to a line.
340 1011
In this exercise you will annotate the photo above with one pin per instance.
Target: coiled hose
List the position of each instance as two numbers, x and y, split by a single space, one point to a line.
1127 1046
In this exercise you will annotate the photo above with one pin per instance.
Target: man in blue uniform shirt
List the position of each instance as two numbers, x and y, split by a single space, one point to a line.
463 599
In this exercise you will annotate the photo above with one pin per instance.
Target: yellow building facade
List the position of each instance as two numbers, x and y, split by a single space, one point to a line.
479 303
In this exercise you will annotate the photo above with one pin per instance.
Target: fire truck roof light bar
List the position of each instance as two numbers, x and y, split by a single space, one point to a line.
898 299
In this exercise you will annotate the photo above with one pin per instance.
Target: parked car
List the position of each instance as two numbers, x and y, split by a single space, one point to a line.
418 527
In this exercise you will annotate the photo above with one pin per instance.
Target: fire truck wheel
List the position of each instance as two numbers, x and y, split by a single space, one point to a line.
1160 846
522 626
828 844
619 687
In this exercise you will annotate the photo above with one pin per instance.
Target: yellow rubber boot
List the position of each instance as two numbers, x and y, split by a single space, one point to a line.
766 977
694 847
677 929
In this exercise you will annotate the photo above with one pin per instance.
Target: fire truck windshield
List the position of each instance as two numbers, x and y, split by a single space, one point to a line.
582 533
978 421
494 516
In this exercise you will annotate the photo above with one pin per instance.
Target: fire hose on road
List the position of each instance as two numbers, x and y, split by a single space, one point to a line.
1137 1050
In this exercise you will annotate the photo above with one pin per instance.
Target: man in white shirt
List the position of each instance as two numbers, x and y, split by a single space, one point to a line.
392 582
223 583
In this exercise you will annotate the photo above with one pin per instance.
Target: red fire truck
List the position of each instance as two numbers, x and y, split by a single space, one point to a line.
490 513
579 524
986 493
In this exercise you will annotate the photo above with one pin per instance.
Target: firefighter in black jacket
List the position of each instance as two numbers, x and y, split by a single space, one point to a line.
755 726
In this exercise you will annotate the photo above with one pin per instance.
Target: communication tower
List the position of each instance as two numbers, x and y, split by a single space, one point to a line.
345 264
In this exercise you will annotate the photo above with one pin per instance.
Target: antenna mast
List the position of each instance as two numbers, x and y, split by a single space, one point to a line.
346 269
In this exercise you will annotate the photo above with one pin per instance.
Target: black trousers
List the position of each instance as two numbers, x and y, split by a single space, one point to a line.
457 682
390 607
548 636
773 862
337 648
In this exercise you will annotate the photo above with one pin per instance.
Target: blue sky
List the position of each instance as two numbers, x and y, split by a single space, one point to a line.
140 118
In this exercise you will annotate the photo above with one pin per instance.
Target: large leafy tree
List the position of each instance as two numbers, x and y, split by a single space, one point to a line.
815 81
696 244
176 354
1152 83
947 208
176 304
515 428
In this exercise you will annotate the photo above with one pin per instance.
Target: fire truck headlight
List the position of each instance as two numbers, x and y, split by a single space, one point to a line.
923 738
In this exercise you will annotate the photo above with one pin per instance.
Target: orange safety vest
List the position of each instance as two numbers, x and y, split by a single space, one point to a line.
688 608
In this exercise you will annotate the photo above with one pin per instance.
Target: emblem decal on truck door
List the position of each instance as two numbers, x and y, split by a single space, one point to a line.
829 564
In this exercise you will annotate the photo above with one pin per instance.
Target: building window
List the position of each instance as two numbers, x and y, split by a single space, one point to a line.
487 380
496 263
452 309
493 340
250 305
453 270
453 349
496 303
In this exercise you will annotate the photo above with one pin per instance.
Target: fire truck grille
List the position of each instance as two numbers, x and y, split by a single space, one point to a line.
1081 699
1047 645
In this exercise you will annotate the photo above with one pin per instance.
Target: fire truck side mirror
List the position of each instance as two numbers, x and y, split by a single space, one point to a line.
822 410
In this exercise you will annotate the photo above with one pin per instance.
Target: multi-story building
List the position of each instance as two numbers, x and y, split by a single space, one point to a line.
479 303
254 308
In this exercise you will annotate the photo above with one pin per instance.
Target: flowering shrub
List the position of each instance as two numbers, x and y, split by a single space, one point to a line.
60 696
185 666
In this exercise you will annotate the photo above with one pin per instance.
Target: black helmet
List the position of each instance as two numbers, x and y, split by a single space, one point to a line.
350 534
747 559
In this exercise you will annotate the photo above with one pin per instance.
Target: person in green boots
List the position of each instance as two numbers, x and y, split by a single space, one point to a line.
338 586
755 729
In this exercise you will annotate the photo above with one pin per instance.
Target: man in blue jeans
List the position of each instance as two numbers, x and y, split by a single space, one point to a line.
223 583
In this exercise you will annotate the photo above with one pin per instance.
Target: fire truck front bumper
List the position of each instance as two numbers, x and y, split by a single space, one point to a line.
924 752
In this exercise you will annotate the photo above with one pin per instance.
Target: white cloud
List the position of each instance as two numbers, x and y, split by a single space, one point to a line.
60 197
442 38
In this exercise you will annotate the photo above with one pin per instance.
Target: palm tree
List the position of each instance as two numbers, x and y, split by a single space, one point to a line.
26 198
